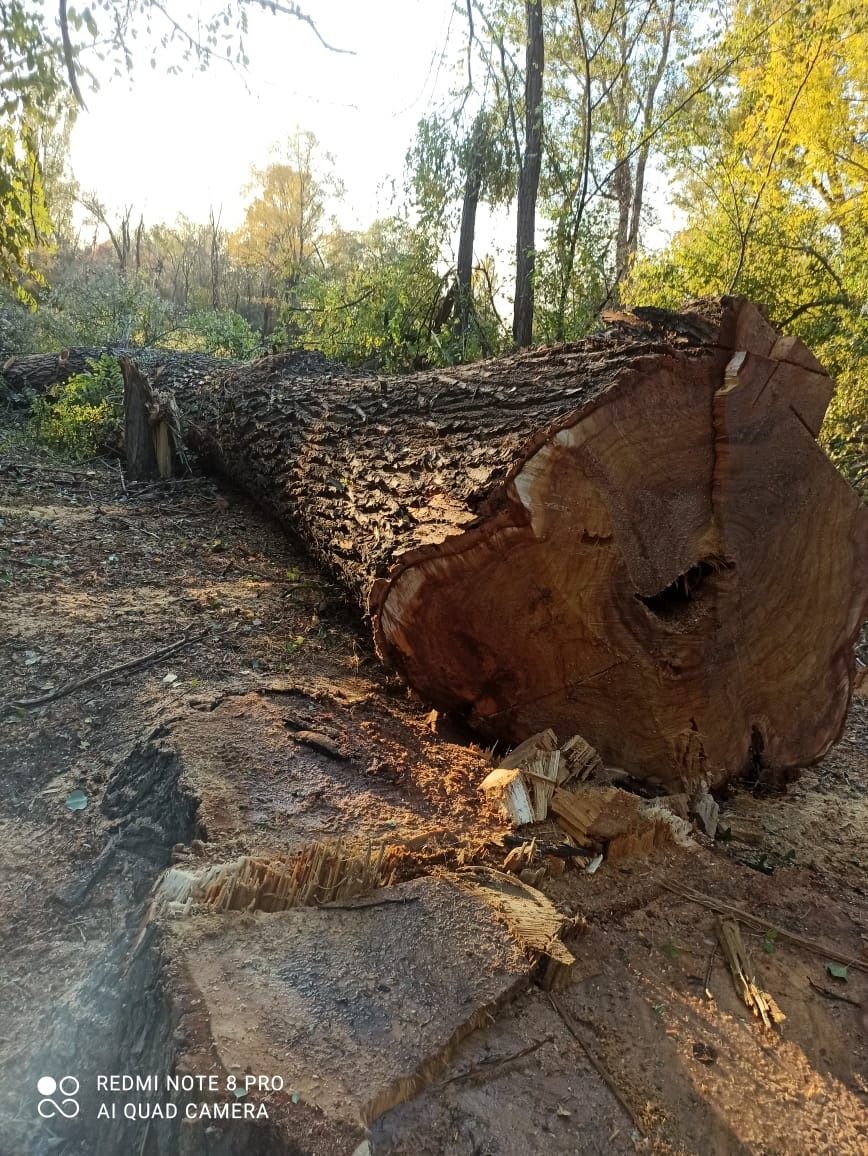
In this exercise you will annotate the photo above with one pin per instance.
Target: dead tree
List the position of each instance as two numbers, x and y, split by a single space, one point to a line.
28 374
152 428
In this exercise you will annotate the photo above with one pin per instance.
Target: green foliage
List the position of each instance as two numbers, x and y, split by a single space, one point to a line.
80 416
773 167
98 305
20 326
442 156
222 333
29 82
572 276
23 212
845 430
381 302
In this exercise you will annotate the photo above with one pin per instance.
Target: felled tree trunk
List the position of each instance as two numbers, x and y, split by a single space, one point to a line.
636 538
27 374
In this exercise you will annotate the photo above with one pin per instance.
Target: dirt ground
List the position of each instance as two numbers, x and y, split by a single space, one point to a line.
271 726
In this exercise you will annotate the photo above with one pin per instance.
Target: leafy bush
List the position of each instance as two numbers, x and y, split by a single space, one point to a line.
19 327
381 304
222 333
98 305
82 415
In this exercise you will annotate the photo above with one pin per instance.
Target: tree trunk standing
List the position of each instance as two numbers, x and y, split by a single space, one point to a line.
636 537
623 183
528 183
214 254
472 190
629 175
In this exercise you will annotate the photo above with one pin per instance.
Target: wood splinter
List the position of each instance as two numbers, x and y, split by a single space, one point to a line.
760 1002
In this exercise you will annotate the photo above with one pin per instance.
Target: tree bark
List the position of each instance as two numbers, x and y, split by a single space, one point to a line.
28 374
152 428
635 538
528 182
467 234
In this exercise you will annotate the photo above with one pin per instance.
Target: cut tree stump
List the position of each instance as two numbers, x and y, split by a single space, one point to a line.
635 537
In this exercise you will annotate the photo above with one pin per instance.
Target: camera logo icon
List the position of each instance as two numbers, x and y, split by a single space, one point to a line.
58 1097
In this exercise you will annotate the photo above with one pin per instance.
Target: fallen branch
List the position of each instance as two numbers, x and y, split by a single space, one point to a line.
100 675
486 1067
574 1030
403 899
708 970
38 468
836 995
763 926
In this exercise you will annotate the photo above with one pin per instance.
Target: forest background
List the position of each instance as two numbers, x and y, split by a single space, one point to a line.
580 124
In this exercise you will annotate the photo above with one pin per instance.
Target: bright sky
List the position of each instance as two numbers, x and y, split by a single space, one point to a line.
171 144
179 144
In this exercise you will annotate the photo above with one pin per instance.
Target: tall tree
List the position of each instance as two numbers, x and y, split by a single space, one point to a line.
30 82
282 223
528 183
773 181
452 164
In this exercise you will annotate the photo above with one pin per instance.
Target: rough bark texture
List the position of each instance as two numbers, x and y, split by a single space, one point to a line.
25 374
635 538
152 428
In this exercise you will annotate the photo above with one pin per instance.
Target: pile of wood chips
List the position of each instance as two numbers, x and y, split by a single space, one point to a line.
542 780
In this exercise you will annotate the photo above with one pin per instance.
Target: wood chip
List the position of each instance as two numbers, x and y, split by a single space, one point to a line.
609 819
319 742
506 789
524 753
580 760
531 917
706 810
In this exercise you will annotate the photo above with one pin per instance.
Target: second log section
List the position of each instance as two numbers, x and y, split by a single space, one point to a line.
636 537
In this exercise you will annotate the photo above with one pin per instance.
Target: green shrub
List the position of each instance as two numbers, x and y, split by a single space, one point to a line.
222 333
98 305
81 416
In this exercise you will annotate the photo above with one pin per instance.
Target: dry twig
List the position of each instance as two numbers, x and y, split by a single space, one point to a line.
763 926
574 1030
836 995
100 675
486 1067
